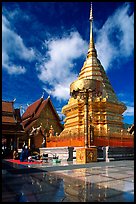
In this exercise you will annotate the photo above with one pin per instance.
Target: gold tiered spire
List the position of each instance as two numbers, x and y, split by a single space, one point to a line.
92 68
91 22
91 50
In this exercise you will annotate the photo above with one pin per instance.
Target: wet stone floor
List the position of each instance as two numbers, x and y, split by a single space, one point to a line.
103 183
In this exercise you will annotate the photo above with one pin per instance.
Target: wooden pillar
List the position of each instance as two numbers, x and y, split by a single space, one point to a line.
17 142
91 135
29 142
108 136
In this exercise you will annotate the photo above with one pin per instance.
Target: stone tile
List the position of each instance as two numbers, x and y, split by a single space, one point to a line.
124 197
95 178
130 172
95 171
99 194
104 183
119 185
124 168
73 174
111 169
116 175
131 179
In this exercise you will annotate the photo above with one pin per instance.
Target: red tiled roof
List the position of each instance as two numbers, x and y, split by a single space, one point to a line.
7 106
8 112
33 119
33 112
31 109
8 119
54 110
30 124
43 104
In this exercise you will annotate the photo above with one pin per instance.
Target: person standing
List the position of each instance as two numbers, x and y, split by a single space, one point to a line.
15 154
26 153
22 155
43 142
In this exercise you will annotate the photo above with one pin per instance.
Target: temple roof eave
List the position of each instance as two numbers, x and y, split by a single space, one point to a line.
85 83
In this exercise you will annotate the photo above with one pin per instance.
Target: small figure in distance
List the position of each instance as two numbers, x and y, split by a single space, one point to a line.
15 154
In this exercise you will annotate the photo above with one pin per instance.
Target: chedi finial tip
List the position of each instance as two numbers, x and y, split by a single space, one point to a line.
91 12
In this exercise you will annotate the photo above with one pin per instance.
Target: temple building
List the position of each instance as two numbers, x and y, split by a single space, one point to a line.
93 113
12 130
41 122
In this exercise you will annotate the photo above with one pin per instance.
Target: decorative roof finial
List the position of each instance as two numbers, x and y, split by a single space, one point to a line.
14 100
91 13
42 95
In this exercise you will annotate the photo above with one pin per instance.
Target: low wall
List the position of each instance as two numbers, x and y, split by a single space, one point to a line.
64 153
121 153
115 153
103 153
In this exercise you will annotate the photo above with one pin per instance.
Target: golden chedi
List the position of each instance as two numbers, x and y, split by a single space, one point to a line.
93 110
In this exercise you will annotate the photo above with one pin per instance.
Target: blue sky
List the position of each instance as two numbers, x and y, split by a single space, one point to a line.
44 46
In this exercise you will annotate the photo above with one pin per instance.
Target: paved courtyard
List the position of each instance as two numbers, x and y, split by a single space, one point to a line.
69 182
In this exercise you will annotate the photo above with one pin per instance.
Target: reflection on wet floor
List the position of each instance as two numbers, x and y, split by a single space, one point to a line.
97 184
37 187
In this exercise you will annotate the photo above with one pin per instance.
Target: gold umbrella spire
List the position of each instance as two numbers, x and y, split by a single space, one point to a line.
91 50
91 13
91 22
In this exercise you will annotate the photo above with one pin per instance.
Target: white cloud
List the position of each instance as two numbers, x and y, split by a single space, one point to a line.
60 90
61 52
61 115
130 108
129 104
121 95
13 48
120 26
129 111
58 71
